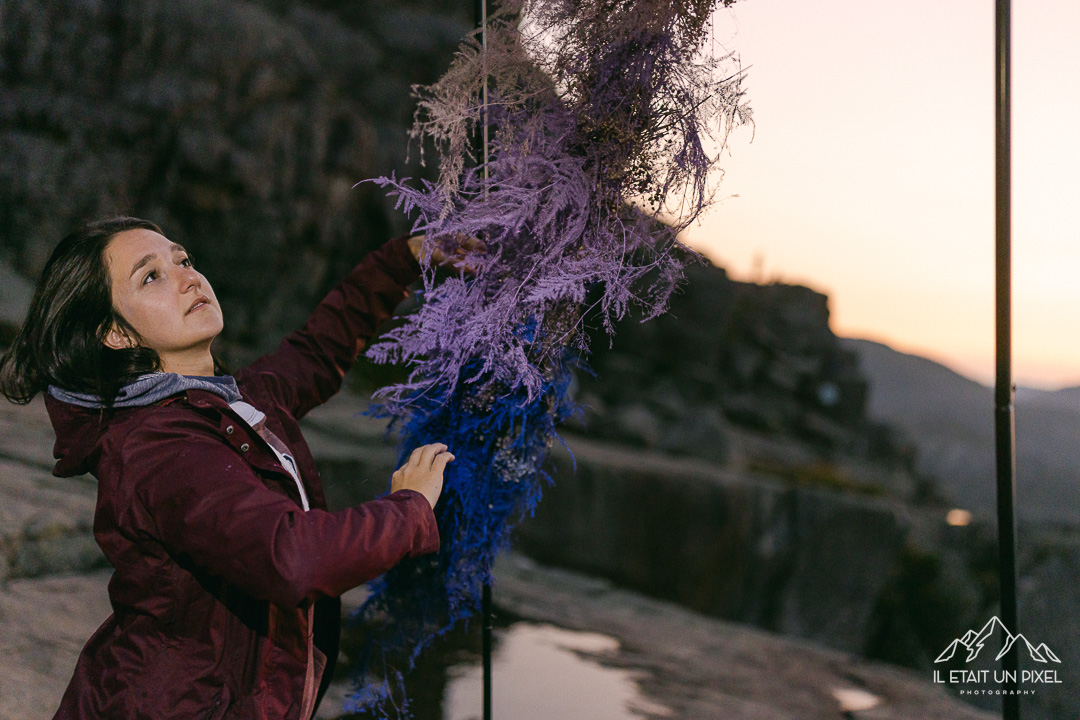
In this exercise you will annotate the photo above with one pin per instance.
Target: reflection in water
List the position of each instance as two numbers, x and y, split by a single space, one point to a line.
541 672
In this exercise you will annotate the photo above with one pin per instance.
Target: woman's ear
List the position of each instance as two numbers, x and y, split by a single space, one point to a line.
117 339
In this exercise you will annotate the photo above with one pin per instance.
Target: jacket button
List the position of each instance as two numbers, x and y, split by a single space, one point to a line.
244 447
229 430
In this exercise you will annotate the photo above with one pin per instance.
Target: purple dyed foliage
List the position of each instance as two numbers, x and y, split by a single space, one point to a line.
600 113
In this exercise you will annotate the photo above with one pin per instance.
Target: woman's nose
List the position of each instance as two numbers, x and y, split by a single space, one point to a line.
189 279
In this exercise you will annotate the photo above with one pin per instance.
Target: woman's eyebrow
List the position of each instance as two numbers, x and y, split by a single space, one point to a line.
175 247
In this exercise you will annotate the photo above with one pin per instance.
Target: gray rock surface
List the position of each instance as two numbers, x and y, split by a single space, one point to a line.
46 523
46 622
801 560
239 126
855 571
701 667
695 666
15 294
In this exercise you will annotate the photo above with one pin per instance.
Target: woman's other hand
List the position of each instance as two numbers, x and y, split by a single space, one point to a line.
457 258
423 472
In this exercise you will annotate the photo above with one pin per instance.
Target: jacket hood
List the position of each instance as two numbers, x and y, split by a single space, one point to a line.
78 435
80 420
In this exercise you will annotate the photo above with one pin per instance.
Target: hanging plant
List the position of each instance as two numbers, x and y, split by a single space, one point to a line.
601 115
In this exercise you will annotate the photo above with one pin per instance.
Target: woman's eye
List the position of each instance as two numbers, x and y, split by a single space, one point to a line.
149 276
187 262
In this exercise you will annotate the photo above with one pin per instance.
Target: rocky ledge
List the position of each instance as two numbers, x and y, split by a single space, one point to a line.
687 664
53 596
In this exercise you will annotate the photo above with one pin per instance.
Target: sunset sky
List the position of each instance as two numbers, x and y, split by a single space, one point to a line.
871 174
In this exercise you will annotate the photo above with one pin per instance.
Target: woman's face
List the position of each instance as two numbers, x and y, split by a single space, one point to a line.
170 305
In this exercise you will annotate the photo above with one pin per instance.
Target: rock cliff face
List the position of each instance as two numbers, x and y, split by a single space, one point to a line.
239 127
763 353
242 127
749 376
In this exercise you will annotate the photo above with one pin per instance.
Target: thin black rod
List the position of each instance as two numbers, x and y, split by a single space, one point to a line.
485 601
486 638
481 22
1004 423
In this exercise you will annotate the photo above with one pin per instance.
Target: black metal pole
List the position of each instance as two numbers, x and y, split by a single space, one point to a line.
1004 424
485 601
486 638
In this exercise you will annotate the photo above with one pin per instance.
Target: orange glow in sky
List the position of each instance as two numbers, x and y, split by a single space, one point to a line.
871 173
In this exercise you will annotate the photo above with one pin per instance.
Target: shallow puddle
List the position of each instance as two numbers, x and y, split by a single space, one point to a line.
539 672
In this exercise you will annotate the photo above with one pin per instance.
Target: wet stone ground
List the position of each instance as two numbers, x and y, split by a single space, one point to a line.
568 646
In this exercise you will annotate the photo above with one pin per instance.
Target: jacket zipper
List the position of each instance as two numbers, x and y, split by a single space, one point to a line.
307 702
311 688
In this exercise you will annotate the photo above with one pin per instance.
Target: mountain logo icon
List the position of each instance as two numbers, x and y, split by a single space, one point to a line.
973 642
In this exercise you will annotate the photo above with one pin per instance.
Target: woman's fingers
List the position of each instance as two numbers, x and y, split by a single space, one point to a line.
424 471
456 256
470 246
440 461
422 455
428 453
467 243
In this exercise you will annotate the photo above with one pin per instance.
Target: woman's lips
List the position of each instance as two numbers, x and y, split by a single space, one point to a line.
199 304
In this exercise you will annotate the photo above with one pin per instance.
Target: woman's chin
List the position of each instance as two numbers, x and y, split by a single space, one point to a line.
206 324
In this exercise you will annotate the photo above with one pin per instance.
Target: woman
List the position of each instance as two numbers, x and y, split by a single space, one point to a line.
228 567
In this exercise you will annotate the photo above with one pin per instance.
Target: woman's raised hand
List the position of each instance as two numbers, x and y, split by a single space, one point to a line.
423 472
457 259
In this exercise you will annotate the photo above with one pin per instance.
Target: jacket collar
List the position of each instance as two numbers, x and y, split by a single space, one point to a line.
152 387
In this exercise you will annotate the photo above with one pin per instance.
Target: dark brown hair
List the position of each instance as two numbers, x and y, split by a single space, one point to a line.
62 340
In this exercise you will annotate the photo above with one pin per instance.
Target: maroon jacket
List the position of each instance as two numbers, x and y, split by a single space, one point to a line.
217 565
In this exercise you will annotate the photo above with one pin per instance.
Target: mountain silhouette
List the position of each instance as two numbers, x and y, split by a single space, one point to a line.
1046 653
974 642
1012 641
948 652
947 417
993 626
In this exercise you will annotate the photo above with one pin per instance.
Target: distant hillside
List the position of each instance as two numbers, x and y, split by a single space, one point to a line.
1065 399
950 419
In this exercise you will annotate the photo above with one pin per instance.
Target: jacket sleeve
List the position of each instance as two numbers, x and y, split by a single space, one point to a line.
308 366
201 501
